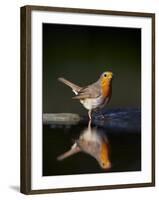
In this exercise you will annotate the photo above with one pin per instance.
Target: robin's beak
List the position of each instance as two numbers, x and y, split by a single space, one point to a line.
110 75
106 165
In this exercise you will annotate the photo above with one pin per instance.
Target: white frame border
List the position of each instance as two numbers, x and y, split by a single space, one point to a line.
69 181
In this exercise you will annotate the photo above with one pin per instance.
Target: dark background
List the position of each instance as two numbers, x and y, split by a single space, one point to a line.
81 54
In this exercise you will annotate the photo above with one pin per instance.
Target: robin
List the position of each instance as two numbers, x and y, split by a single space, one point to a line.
93 142
94 96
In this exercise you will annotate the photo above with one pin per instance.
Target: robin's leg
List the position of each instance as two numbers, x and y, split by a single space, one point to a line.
89 125
89 114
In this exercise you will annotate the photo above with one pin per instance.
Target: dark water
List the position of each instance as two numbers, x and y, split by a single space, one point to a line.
124 151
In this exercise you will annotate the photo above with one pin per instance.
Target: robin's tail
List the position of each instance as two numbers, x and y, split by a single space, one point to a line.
75 88
68 153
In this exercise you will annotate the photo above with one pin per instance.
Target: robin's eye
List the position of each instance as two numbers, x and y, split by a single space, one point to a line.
105 75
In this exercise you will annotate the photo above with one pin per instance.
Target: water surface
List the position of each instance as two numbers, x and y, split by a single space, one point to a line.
124 151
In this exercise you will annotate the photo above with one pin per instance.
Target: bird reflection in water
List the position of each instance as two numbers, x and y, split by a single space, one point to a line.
93 142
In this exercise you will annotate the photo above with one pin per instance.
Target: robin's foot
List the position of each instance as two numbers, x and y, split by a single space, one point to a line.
99 114
102 116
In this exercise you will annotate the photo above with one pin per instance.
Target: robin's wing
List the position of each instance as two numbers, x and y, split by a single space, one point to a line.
91 91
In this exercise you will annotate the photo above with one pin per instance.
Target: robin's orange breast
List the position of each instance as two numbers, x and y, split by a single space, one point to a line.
106 88
105 156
